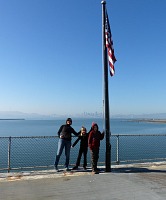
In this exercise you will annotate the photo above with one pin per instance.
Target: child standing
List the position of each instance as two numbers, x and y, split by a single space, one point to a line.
94 144
83 137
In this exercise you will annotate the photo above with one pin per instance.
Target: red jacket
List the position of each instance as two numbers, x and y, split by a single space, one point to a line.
94 139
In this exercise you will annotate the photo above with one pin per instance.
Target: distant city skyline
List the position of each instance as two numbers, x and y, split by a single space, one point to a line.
20 115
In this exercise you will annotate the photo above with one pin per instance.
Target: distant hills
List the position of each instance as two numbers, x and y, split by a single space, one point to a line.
21 115
142 116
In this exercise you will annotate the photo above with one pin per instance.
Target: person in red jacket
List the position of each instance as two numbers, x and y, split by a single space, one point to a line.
94 144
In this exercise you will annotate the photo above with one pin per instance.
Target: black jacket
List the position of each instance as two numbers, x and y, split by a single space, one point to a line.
83 141
65 132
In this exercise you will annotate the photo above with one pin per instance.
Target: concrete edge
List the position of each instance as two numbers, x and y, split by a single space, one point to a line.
32 175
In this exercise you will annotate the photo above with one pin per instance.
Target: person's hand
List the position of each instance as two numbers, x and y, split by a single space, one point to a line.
61 136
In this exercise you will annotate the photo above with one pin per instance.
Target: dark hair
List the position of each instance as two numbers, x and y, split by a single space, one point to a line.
69 119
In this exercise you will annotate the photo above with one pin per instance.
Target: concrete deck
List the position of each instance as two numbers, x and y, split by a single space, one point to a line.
125 182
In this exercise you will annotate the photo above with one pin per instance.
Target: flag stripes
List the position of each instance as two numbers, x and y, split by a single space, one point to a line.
109 46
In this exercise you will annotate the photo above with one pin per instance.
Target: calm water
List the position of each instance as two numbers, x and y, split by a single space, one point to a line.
27 152
50 127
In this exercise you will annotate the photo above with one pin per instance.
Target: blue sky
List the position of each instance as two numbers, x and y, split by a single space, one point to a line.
51 56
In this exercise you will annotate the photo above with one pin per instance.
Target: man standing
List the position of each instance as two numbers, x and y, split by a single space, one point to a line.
64 134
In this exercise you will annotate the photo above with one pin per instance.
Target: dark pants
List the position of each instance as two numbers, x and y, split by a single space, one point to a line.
84 152
94 158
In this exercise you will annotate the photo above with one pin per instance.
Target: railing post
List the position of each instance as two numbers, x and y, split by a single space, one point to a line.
117 150
9 153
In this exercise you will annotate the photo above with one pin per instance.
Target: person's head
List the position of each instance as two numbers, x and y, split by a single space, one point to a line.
95 127
69 121
93 123
92 126
83 130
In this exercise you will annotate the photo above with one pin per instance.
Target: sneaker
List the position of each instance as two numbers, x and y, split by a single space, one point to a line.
94 171
67 169
75 167
56 168
97 169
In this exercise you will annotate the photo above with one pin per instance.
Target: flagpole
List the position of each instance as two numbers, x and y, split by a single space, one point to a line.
106 93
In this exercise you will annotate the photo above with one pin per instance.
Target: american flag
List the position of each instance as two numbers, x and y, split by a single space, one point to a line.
109 46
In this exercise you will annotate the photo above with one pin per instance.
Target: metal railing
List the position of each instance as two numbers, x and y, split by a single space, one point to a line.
20 153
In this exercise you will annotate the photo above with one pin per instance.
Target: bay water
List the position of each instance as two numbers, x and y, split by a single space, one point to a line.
28 152
50 127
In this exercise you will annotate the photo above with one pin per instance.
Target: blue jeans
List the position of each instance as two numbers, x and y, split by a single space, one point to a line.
61 144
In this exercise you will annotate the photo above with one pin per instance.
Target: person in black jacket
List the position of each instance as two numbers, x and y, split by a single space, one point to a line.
65 134
83 137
